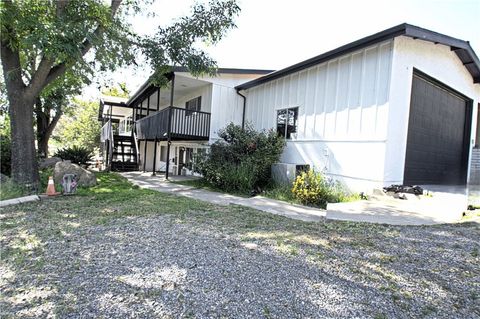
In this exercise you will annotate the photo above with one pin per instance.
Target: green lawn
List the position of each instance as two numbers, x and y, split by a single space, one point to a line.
430 270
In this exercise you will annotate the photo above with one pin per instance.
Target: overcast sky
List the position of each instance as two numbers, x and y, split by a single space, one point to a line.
273 34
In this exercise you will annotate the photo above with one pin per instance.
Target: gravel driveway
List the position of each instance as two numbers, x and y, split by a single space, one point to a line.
195 260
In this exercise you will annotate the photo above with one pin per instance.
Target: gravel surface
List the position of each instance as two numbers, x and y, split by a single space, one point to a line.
230 262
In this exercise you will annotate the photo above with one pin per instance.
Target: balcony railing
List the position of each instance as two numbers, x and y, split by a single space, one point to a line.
184 125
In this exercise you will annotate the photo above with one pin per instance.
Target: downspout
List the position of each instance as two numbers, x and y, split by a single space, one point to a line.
244 107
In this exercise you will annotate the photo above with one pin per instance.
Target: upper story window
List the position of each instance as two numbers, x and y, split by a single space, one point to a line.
287 121
193 105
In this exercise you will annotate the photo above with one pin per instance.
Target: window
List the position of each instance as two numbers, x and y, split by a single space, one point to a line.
193 105
287 122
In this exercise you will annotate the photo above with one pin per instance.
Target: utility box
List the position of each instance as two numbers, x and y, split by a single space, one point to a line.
286 173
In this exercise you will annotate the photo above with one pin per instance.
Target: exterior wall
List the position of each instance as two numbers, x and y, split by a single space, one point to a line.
439 62
205 92
226 104
343 113
160 165
227 107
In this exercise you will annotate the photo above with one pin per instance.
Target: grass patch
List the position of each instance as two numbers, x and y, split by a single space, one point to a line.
9 190
201 183
29 232
280 192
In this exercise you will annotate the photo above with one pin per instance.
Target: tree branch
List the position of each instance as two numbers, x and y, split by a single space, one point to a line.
87 44
11 67
53 123
38 79
59 69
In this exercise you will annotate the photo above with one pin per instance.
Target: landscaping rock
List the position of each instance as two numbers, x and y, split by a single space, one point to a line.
84 177
49 162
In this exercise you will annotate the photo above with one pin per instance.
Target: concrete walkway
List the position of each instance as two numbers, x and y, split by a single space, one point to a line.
158 183
445 204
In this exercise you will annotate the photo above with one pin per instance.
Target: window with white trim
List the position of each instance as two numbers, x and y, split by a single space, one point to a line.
287 122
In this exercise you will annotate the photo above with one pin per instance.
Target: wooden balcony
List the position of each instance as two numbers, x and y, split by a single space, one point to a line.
180 123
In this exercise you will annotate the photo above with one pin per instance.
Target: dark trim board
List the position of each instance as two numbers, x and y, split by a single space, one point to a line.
462 48
433 136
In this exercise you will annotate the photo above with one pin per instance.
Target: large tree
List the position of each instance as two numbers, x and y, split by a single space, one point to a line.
52 103
94 36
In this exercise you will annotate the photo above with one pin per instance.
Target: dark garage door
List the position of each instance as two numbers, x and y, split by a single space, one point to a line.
437 142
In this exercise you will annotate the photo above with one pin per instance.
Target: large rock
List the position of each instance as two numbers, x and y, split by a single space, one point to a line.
49 162
84 177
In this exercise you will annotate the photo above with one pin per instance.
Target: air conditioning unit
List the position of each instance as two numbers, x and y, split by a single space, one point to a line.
285 173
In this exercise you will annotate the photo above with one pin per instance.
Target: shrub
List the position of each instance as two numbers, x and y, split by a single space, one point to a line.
241 160
5 154
75 154
315 189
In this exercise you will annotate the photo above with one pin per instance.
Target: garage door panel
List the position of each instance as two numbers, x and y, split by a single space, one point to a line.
436 135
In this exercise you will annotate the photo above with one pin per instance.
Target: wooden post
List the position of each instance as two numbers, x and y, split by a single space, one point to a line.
155 157
144 155
169 126
106 154
148 105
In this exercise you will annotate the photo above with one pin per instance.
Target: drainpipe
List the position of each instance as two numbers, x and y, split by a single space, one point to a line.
244 107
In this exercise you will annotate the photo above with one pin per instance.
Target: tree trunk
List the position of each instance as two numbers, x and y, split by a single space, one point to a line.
20 108
44 134
42 124
24 161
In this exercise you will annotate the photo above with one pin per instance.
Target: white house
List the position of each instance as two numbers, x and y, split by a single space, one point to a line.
180 120
397 107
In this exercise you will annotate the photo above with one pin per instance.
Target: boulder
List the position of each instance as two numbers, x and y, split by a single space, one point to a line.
84 177
48 162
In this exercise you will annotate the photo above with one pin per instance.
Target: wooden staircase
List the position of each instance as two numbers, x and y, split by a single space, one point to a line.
124 155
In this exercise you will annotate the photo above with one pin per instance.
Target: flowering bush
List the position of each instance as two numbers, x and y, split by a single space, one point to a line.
315 189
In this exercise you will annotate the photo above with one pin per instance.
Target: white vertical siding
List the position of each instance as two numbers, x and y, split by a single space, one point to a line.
226 107
341 102
205 92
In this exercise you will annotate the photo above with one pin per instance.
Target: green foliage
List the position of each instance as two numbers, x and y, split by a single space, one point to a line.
9 190
280 192
5 145
118 91
75 154
313 188
241 160
45 42
80 127
64 33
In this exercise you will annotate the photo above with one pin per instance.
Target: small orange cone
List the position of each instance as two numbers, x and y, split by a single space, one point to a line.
51 187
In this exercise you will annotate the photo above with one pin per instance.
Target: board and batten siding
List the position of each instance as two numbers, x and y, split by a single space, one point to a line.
343 114
227 107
